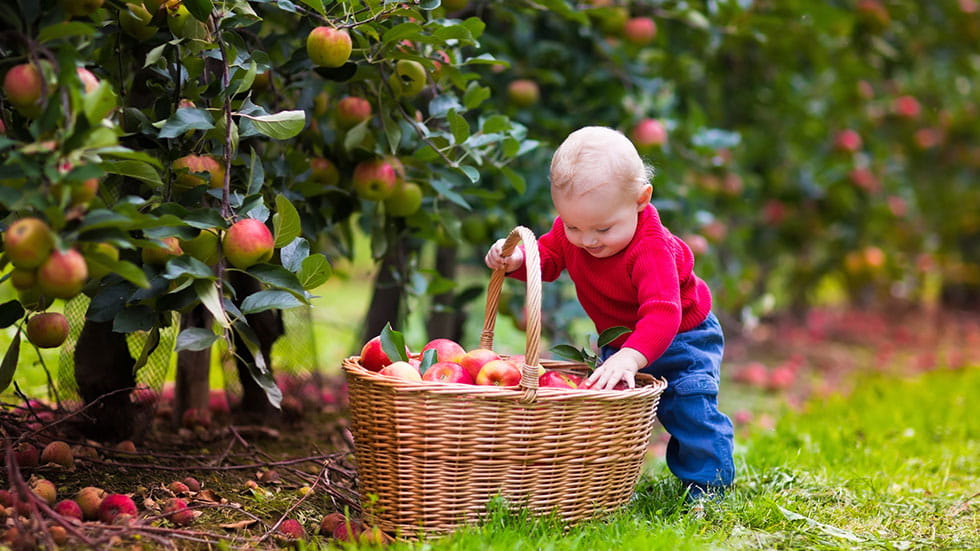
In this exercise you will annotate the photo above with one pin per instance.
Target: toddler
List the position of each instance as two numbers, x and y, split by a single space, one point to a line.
629 270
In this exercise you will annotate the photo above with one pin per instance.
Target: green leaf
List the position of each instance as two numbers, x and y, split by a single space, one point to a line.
458 125
65 30
471 172
278 277
429 357
516 180
611 334
403 31
568 352
10 312
196 338
200 9
279 126
315 5
187 266
9 364
285 222
154 55
315 271
444 188
134 318
475 95
292 255
184 119
98 103
256 173
207 291
149 345
270 299
393 343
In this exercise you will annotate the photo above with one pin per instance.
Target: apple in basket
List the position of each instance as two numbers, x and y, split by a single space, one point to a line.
373 356
557 379
401 370
499 373
518 361
447 372
473 360
447 350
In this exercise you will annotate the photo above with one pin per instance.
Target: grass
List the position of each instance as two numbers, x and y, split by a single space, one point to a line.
892 466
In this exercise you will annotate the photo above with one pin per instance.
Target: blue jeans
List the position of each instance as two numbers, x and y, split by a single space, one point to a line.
699 451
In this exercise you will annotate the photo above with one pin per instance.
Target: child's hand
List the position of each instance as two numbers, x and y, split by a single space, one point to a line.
496 260
621 366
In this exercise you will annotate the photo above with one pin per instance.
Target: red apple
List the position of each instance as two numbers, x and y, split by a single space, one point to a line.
558 379
405 200
68 508
448 372
328 47
89 81
28 242
374 180
115 505
447 350
176 510
324 172
865 179
848 141
907 107
248 242
697 243
523 92
190 167
158 256
351 111
781 378
401 370
499 373
63 274
649 133
373 357
640 30
753 374
22 86
473 360
47 330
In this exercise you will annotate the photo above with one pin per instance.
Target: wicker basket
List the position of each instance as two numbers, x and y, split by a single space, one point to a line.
431 455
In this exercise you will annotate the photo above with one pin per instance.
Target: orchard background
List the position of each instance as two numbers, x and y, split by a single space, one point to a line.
811 153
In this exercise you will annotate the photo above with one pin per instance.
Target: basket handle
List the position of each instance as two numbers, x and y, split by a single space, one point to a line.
532 301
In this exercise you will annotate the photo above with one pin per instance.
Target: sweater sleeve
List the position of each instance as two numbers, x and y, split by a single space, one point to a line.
550 251
654 274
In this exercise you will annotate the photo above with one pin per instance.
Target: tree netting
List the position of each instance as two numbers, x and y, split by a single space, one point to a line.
293 353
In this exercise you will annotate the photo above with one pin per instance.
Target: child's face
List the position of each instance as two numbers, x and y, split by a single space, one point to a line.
603 220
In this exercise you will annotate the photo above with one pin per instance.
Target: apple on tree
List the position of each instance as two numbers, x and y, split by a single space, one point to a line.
408 79
328 47
47 329
351 111
648 133
405 200
523 92
248 242
640 30
28 242
190 167
63 274
159 255
375 179
203 247
22 86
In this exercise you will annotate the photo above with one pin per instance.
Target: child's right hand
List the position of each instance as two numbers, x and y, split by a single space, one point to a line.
496 260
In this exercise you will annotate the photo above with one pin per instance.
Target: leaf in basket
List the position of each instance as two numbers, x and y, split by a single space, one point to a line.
568 352
611 334
429 357
393 343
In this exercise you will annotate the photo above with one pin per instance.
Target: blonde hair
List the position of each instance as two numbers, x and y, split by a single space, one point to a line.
595 156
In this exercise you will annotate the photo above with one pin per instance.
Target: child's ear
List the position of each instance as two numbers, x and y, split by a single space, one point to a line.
643 197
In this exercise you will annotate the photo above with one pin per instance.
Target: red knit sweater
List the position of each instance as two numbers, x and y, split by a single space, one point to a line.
649 287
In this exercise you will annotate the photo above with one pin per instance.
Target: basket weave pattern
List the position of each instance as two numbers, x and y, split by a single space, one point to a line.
431 455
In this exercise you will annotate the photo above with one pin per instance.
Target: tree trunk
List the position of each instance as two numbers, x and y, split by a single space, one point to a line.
389 292
445 316
268 327
192 386
105 379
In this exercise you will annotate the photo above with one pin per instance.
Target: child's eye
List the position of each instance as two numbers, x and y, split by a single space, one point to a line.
602 230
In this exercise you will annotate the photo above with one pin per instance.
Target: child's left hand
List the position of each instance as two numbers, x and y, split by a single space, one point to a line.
621 366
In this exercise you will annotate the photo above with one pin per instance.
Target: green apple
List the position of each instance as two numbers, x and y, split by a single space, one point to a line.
405 200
